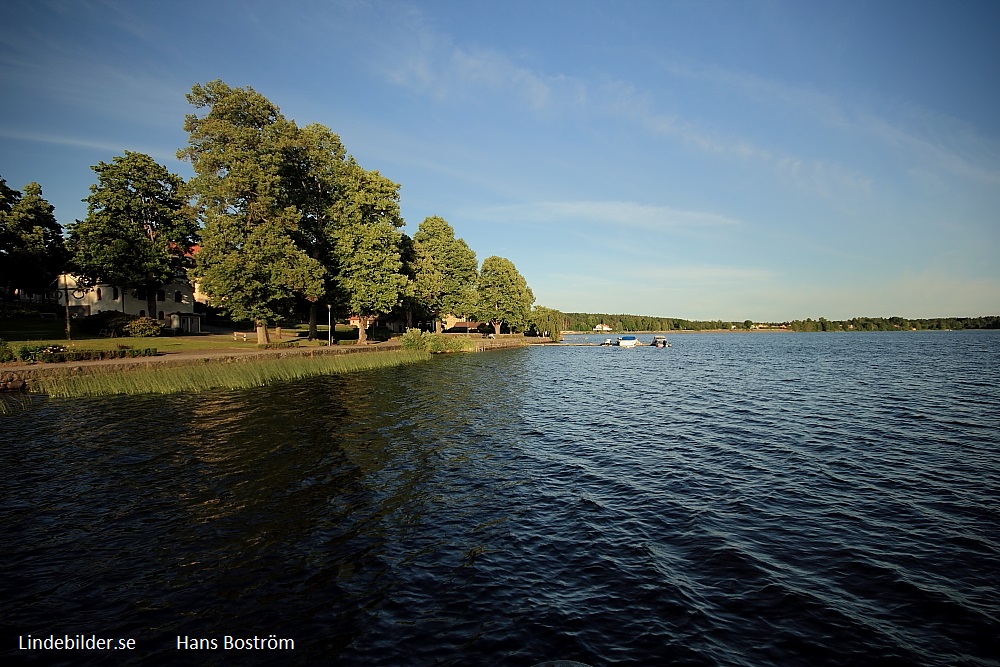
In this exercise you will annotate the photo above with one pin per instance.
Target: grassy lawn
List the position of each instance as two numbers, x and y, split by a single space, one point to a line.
40 331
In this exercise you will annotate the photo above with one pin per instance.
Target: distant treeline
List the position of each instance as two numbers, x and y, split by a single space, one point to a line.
587 322
895 323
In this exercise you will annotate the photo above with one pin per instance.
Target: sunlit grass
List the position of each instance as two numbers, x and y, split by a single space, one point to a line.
167 379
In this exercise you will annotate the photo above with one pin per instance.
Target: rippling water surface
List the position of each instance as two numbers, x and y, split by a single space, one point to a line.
781 499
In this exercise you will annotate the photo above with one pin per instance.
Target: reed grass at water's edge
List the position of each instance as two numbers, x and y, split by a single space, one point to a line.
205 376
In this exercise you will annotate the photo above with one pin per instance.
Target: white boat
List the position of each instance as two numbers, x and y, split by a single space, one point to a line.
627 341
660 341
606 343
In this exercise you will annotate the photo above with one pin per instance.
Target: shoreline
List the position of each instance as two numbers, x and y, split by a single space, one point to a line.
24 377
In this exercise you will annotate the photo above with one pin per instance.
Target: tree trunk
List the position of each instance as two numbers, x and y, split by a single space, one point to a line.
496 327
313 315
437 325
151 301
277 333
362 334
409 318
262 337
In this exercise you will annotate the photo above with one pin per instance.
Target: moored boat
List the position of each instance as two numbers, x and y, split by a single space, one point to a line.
660 341
627 341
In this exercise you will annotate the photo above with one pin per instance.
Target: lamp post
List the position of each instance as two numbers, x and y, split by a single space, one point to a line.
65 279
329 325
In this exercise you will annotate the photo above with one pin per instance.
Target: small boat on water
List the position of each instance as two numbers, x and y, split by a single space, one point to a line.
607 342
660 341
627 341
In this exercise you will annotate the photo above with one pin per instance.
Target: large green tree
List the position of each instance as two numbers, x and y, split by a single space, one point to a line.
32 250
139 229
503 294
249 262
313 170
544 319
368 245
445 270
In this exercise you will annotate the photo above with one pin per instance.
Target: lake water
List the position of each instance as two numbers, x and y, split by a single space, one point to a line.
771 499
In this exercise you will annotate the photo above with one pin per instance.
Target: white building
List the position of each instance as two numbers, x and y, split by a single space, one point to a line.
174 302
602 327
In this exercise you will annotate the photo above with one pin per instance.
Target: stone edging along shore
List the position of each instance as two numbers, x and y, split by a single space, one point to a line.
21 377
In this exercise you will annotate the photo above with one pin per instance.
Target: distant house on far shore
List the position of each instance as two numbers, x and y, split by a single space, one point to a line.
602 327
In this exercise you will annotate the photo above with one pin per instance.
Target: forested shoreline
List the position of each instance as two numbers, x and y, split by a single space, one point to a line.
585 322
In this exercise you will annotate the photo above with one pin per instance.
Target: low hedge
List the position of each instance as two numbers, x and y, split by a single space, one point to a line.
278 346
58 354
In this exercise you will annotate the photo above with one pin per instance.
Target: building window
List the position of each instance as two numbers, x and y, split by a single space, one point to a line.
142 313
161 315
161 295
178 297
114 294
98 293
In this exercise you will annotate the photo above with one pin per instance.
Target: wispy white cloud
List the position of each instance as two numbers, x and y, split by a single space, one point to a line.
432 64
605 213
112 148
933 139
72 142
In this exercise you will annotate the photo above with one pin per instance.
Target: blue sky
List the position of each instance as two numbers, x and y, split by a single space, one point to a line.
766 160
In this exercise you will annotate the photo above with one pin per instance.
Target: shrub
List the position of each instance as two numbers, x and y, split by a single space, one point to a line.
38 352
414 339
6 354
53 354
104 322
143 327
278 346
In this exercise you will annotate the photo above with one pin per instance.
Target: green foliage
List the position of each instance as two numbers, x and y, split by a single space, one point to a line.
368 244
139 229
201 377
28 352
587 321
503 294
32 250
249 263
6 354
895 324
106 321
143 327
412 340
444 269
436 343
544 319
59 354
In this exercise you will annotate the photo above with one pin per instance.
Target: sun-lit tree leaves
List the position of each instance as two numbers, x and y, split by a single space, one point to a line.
249 263
368 245
139 229
444 270
503 294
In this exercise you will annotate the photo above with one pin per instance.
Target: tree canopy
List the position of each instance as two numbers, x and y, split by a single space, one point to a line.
248 262
445 270
503 295
32 251
368 244
139 229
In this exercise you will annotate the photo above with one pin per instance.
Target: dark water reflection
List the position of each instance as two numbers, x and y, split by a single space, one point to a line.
733 500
